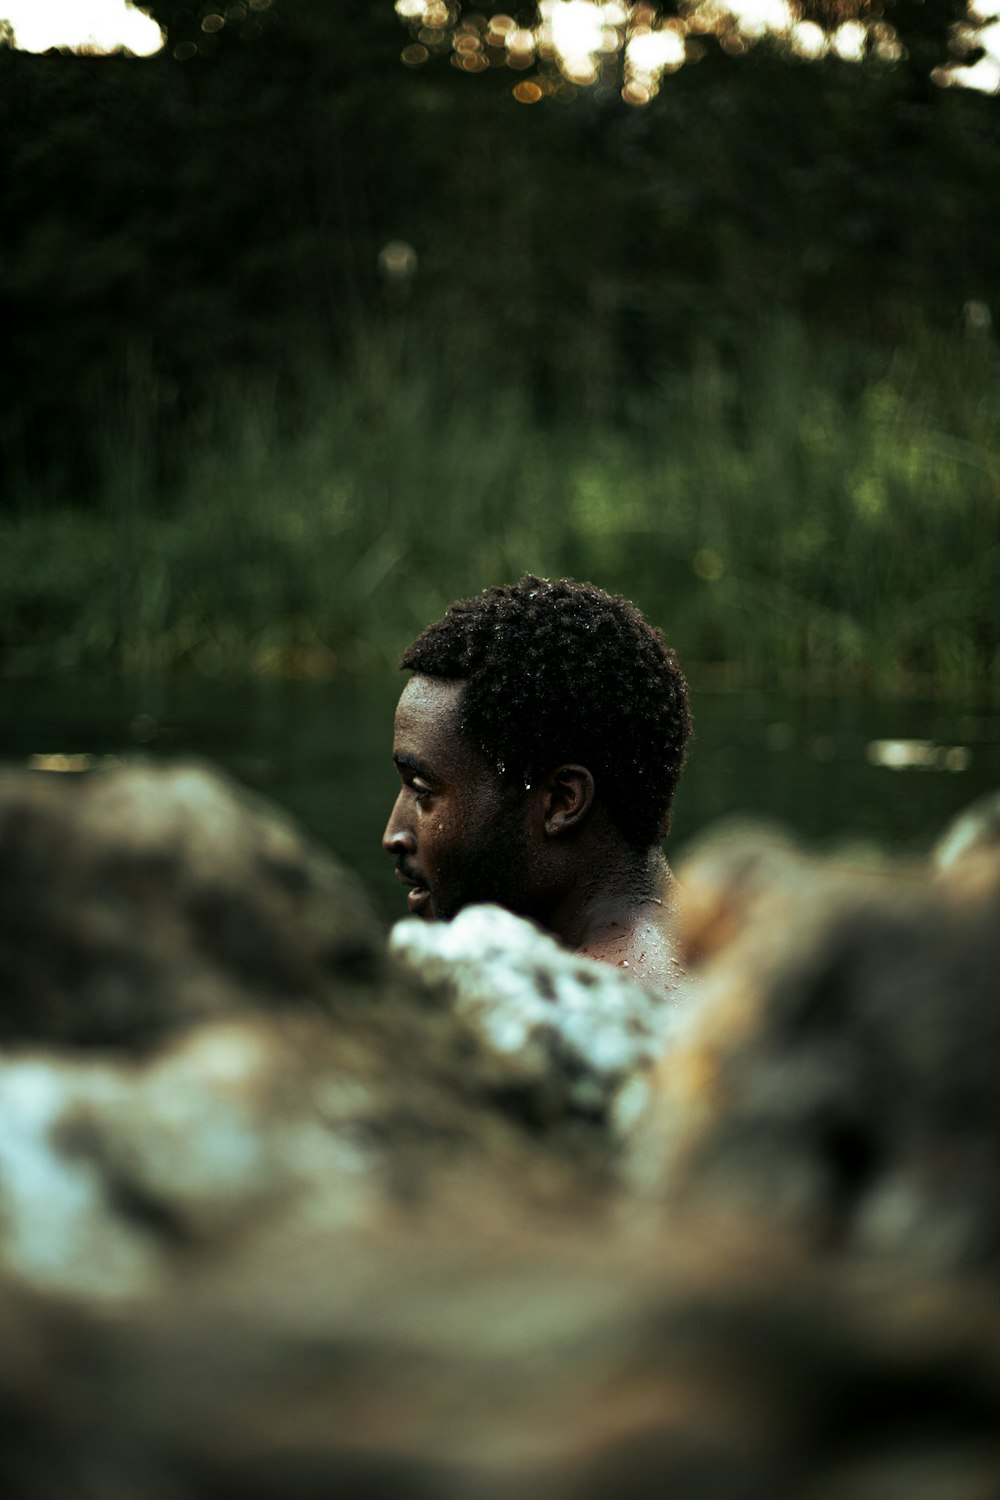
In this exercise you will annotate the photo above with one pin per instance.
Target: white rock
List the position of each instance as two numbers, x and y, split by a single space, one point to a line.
551 1016
57 1228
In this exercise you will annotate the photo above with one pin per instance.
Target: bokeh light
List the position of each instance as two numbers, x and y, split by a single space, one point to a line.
984 74
808 39
849 41
82 26
634 45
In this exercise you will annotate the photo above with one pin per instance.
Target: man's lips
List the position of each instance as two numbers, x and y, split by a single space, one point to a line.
418 896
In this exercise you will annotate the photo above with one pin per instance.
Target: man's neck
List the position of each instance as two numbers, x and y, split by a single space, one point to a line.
630 927
622 917
630 888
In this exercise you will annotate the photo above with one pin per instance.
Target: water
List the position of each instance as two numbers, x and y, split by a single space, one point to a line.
322 750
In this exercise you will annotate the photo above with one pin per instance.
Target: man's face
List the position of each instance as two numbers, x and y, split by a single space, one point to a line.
457 832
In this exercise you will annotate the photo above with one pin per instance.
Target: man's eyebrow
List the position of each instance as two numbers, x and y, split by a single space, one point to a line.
407 762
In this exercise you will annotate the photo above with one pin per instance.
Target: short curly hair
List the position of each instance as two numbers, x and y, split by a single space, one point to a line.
557 672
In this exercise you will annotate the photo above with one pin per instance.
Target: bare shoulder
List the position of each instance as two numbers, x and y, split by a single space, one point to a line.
643 947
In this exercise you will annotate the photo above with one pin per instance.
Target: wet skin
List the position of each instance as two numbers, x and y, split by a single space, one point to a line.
637 934
461 835
455 831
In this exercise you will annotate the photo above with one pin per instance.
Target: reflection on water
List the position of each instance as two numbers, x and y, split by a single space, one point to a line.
900 755
832 770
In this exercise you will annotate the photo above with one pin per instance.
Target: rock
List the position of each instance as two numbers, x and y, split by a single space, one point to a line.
571 1034
203 1030
281 1215
837 1074
114 1174
436 1363
138 900
967 855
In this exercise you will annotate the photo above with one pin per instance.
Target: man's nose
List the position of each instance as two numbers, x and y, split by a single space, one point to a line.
398 839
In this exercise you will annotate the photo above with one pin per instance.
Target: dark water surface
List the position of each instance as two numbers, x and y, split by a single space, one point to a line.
814 765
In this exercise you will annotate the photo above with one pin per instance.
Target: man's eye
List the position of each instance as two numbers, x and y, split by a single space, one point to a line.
421 790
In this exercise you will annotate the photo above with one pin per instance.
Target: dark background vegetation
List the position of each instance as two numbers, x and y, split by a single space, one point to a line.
729 352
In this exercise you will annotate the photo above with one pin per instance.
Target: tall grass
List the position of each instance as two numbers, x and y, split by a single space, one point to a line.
787 512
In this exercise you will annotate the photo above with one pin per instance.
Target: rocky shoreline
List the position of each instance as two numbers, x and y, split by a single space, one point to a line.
288 1207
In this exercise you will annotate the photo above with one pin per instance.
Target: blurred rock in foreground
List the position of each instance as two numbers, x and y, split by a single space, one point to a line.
284 1213
203 1027
449 1363
136 901
837 1073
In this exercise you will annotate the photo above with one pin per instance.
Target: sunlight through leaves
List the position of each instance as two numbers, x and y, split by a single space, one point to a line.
635 46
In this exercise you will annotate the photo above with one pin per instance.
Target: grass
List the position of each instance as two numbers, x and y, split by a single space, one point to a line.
788 512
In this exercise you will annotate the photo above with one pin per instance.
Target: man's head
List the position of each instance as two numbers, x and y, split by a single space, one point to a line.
538 713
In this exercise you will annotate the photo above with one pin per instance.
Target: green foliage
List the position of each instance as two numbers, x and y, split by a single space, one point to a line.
709 352
780 514
225 214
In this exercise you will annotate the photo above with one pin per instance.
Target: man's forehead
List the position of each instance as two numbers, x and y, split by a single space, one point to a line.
432 693
430 700
427 728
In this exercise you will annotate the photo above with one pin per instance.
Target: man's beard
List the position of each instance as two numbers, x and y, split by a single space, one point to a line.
496 869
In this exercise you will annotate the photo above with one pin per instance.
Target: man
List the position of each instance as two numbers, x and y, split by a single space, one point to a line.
539 743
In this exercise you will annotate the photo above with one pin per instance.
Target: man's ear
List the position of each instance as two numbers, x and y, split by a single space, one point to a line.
568 797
